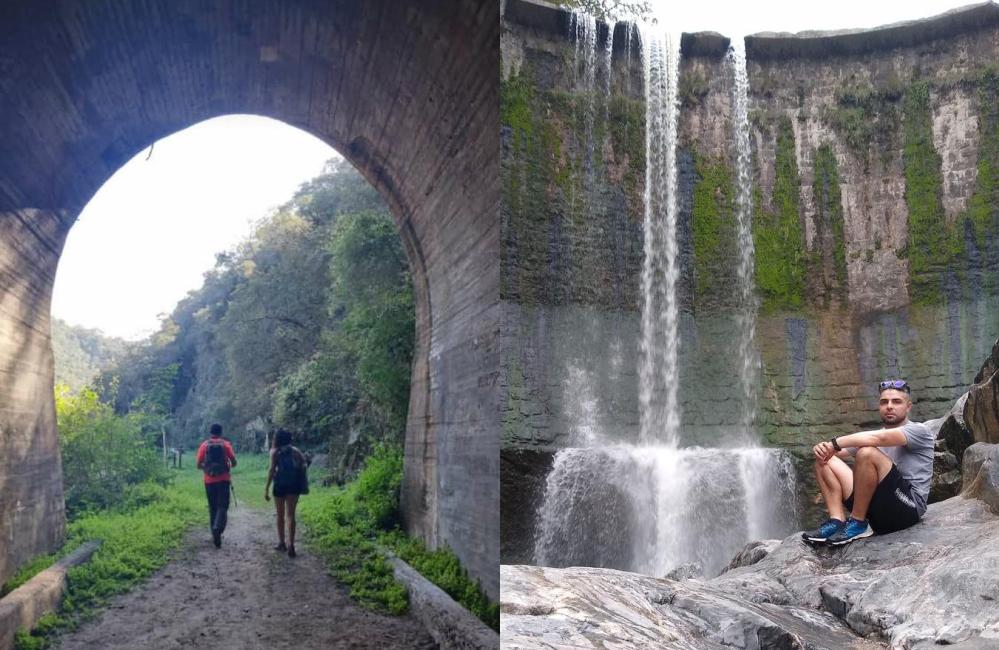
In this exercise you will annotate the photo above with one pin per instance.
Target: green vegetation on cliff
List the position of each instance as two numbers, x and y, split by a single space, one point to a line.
983 208
714 230
777 235
530 182
932 243
569 158
827 260
867 117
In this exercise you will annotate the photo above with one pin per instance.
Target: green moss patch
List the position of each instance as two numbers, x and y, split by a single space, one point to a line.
714 231
932 245
777 235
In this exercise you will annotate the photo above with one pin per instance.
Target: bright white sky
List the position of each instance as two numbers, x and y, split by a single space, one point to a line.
735 18
149 234
153 229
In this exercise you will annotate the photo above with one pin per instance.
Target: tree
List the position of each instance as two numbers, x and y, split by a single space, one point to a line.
613 10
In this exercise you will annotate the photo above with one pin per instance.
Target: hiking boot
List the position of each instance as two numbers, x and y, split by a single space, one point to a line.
281 547
854 529
217 539
826 529
291 551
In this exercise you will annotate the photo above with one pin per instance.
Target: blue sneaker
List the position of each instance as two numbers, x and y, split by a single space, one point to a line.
826 529
854 529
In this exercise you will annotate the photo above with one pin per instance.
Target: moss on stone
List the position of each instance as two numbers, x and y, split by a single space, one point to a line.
867 116
693 88
713 229
983 208
777 235
528 178
828 258
627 132
931 243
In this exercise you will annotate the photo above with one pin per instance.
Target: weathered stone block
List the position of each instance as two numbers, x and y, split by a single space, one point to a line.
981 474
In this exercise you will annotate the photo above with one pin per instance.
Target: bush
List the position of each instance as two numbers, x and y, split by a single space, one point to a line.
103 454
350 527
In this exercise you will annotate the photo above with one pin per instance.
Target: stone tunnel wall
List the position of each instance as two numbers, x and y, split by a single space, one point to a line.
876 224
407 92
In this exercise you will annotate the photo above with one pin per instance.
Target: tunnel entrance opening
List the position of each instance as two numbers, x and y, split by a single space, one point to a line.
408 95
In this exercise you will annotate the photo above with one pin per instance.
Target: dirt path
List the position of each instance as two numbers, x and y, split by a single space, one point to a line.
243 596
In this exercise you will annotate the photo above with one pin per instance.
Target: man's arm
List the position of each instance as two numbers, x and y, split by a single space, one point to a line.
231 453
880 438
201 456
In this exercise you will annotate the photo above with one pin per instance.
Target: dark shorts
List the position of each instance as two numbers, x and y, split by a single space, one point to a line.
285 492
892 506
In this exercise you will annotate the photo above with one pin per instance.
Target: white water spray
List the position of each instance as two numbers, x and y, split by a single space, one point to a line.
749 363
660 412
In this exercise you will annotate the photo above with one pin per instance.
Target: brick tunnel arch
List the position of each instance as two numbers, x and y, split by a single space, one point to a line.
407 92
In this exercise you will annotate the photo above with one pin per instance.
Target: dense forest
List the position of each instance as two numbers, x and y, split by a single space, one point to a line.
307 325
81 354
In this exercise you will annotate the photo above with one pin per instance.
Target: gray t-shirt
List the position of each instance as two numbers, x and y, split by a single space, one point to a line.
914 460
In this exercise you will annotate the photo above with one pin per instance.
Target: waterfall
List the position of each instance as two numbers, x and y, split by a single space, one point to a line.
749 363
660 412
655 506
608 72
584 28
650 509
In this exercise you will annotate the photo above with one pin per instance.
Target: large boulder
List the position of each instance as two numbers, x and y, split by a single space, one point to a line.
953 431
936 583
981 410
981 471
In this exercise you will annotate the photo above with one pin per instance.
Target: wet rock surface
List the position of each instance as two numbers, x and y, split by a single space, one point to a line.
935 583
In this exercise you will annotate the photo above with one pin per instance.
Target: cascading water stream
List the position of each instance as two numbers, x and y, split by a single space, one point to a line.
746 316
584 29
659 410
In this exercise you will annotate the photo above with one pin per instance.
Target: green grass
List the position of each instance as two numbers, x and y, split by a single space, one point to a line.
351 528
137 540
248 479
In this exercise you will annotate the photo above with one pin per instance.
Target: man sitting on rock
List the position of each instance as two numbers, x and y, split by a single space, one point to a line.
886 490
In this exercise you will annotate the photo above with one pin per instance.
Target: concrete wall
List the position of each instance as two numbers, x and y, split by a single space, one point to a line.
407 92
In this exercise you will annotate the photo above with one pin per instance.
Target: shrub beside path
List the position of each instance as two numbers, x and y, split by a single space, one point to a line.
243 596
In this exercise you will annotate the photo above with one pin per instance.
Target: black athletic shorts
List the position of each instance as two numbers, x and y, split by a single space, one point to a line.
892 506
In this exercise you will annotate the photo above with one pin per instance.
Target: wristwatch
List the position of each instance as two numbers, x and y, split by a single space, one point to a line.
835 444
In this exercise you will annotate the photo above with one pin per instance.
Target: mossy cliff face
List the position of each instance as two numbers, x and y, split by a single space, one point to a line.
875 225
573 172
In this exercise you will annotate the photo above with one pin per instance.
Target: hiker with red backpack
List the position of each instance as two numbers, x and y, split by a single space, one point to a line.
216 458
288 473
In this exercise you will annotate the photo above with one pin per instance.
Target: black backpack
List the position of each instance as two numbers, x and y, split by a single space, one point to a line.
289 475
216 462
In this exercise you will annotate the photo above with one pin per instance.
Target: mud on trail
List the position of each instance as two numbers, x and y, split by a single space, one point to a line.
243 596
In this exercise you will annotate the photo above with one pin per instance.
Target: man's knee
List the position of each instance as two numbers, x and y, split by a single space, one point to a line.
870 455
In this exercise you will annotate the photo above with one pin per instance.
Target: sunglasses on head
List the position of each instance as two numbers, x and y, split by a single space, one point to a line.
897 384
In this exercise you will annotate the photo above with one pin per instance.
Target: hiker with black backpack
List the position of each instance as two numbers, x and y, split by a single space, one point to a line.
289 474
215 458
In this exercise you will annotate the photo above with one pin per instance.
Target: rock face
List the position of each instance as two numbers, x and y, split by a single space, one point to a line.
877 245
409 97
935 583
873 149
981 410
